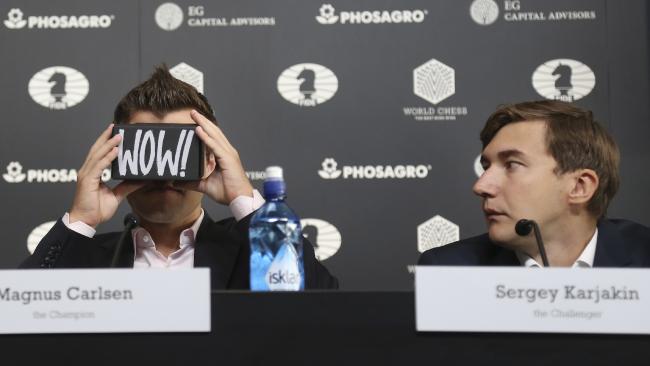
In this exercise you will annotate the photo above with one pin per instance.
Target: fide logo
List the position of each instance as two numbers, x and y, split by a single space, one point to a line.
436 232
188 74
478 167
327 15
15 19
307 84
563 79
329 169
434 81
14 173
324 236
36 235
58 87
484 12
169 16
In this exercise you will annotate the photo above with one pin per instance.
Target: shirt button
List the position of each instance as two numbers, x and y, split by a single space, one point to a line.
146 238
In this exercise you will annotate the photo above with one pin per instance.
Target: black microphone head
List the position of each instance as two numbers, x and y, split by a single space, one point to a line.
523 227
130 220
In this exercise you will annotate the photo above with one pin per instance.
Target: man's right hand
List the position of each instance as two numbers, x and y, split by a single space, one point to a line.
95 202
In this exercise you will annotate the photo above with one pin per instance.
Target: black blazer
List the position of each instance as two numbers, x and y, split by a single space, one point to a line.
221 246
621 243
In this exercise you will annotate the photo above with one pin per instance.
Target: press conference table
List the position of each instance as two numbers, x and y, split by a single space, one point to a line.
323 328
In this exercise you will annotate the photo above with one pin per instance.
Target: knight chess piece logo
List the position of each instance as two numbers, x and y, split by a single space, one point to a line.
188 74
58 87
436 232
324 236
14 173
484 12
329 169
307 84
169 16
563 79
36 235
327 15
434 81
15 19
478 167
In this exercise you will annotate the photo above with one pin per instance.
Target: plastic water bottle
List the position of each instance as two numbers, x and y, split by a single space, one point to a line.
276 262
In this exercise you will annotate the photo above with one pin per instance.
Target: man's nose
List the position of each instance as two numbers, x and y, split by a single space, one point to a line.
486 186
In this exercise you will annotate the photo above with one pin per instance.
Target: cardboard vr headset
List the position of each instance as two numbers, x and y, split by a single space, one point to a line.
158 151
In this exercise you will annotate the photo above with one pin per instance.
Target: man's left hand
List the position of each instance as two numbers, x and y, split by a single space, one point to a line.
228 180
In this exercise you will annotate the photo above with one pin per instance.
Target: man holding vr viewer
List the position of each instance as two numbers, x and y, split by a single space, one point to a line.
174 231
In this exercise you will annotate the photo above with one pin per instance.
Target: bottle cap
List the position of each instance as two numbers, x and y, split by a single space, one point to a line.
274 172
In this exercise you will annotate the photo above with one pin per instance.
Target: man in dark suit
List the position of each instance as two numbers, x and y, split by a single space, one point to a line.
548 161
174 231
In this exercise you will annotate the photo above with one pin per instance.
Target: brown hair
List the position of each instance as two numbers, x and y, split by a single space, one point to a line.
573 138
160 94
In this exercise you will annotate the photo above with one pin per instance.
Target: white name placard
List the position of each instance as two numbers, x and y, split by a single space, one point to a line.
515 299
104 300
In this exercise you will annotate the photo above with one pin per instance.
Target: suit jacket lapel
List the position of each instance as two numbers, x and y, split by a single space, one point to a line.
218 250
611 250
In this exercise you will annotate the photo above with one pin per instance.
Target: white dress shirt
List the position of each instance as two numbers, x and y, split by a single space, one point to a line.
147 256
585 260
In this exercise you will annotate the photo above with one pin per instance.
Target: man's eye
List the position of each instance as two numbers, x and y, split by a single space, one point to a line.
511 164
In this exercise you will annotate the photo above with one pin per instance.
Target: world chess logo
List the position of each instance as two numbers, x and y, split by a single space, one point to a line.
563 79
188 74
327 15
14 173
434 81
329 169
307 84
436 232
58 87
484 12
15 19
169 16
324 236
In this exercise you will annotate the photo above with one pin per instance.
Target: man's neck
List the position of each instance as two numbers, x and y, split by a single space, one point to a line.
565 240
166 236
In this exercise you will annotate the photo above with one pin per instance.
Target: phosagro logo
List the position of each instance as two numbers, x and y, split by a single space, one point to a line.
330 171
15 21
15 174
58 87
307 84
327 15
564 79
324 236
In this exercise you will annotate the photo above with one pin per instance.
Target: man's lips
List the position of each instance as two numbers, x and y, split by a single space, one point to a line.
492 214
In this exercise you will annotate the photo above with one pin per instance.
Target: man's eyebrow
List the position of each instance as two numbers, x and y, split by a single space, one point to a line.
502 155
505 154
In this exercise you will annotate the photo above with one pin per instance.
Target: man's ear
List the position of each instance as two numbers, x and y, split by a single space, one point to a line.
210 163
585 184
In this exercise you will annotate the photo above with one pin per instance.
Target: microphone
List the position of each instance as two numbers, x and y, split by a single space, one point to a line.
523 228
130 221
